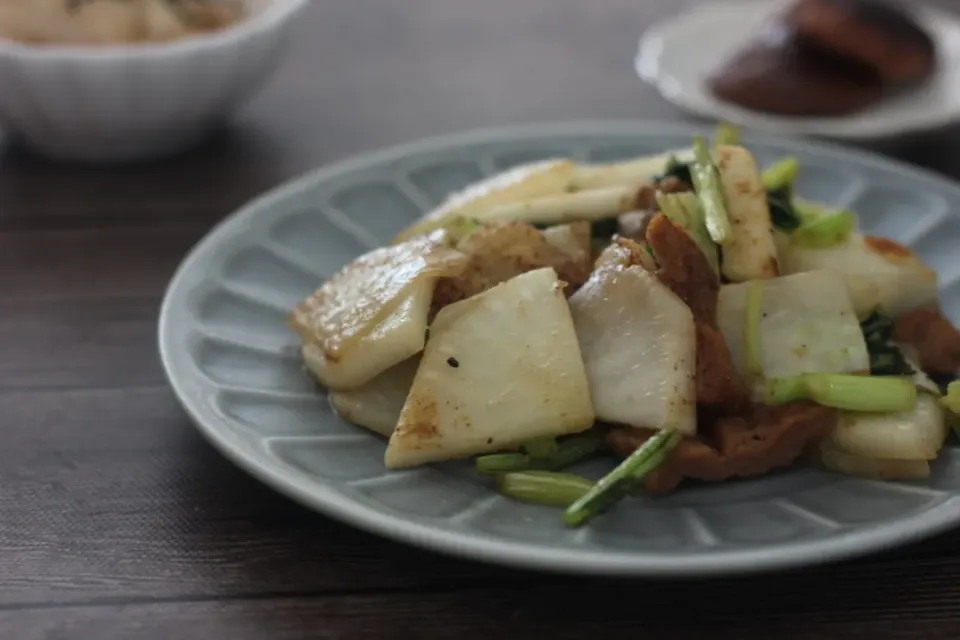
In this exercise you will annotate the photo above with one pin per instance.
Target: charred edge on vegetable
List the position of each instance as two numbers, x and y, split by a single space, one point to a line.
886 359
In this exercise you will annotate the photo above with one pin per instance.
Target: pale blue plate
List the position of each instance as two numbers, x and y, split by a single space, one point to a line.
234 365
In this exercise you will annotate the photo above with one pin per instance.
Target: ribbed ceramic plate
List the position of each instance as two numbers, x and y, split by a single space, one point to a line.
234 366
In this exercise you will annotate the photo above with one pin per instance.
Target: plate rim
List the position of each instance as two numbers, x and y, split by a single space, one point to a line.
648 68
322 499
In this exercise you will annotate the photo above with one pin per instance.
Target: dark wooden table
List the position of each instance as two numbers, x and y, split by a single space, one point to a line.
118 521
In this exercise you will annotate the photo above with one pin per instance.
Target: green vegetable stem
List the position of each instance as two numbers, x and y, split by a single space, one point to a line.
706 182
868 394
781 174
886 358
548 458
617 484
826 231
544 487
751 328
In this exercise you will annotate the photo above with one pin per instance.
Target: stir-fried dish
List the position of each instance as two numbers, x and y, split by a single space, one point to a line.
106 22
688 313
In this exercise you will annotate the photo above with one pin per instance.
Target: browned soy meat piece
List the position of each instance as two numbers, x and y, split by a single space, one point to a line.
934 337
762 440
718 381
633 225
498 253
684 268
632 253
686 271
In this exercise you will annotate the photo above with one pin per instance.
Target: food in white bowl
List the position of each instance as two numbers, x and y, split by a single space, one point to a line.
112 81
106 22
713 326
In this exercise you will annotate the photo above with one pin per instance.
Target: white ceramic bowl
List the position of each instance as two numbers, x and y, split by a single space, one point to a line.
135 102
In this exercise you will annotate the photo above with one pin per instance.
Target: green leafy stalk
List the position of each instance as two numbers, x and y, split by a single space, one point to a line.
886 358
811 211
810 225
878 326
496 463
825 231
571 451
784 390
541 448
863 393
684 210
866 394
618 483
544 487
706 182
781 174
782 214
676 169
566 452
751 328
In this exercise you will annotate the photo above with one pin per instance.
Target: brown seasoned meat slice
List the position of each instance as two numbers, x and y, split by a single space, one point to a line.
718 381
684 268
498 253
934 337
686 271
764 439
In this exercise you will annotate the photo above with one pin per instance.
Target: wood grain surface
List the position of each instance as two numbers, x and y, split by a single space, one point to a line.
117 521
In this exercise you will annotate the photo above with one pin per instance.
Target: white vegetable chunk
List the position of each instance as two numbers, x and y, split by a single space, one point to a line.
573 239
373 313
873 468
500 369
636 171
880 274
752 252
399 336
377 404
807 325
595 204
912 435
638 342
497 253
518 184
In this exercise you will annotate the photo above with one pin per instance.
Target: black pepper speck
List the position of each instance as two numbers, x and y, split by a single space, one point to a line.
453 362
